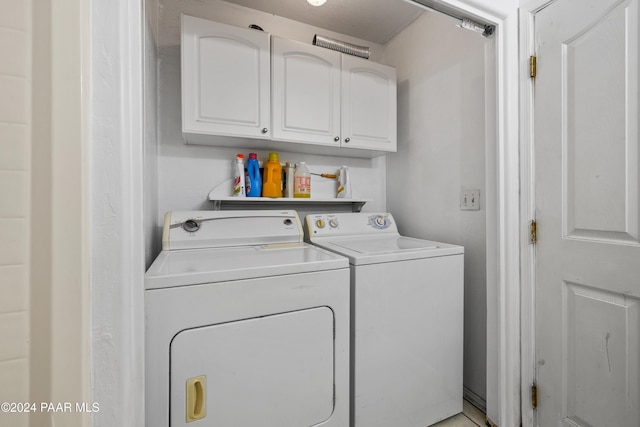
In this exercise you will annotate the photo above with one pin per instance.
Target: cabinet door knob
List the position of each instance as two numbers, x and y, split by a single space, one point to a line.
347 139
337 138
265 130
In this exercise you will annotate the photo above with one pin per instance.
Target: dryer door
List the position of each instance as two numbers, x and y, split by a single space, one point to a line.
272 371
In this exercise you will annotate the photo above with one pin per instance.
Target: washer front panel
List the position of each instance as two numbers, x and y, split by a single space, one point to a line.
408 331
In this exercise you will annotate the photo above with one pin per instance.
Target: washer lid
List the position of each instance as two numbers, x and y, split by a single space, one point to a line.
212 265
378 249
385 245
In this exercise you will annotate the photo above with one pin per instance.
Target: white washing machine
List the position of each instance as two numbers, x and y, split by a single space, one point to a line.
406 319
246 324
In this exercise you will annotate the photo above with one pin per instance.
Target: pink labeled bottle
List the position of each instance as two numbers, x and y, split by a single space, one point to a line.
302 182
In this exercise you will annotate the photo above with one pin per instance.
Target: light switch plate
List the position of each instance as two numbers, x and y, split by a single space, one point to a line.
470 200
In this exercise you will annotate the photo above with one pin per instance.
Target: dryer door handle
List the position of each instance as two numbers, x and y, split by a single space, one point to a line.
196 398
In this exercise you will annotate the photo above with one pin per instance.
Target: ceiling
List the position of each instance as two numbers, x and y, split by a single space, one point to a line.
377 21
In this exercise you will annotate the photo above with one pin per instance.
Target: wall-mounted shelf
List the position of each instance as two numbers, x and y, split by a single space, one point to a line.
268 202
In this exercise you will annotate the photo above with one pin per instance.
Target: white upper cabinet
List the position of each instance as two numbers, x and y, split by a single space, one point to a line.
244 83
305 90
369 104
225 79
325 97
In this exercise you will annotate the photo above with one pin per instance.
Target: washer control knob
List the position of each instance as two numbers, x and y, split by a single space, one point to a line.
320 223
333 223
191 226
380 222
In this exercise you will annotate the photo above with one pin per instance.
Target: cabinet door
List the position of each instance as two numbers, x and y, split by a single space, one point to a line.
306 93
368 105
225 79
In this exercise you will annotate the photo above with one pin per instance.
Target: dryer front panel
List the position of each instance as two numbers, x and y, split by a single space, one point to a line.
272 371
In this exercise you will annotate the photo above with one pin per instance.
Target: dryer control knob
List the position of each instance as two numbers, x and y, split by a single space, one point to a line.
320 223
191 226
333 223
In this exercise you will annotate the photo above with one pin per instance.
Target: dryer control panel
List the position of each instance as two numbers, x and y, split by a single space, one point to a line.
348 224
213 229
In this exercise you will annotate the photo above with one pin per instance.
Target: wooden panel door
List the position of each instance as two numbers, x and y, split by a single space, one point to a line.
588 250
225 79
306 93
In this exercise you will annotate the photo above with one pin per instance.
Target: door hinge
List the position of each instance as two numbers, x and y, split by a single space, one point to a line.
533 232
533 66
534 396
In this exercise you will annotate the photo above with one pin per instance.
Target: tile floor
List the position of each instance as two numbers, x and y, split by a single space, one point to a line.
470 417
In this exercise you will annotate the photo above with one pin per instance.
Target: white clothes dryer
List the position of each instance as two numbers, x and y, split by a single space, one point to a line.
246 324
406 319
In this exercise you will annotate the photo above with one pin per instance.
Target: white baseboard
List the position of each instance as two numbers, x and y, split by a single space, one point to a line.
475 399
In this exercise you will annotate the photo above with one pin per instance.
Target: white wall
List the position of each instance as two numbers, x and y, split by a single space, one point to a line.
68 216
186 172
15 204
150 205
53 100
441 150
501 7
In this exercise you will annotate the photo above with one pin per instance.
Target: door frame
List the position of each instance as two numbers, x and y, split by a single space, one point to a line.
116 224
504 402
128 322
527 207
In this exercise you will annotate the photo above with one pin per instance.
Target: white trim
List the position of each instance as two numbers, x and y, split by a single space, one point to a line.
474 398
527 209
129 228
508 210
491 244
117 255
132 47
527 206
508 197
508 226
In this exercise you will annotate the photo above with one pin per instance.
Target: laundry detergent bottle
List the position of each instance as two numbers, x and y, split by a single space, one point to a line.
238 177
253 181
272 180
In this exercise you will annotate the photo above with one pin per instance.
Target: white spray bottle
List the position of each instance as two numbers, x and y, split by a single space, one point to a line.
238 177
344 183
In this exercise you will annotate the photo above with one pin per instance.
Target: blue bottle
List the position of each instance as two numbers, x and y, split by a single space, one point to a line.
254 183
